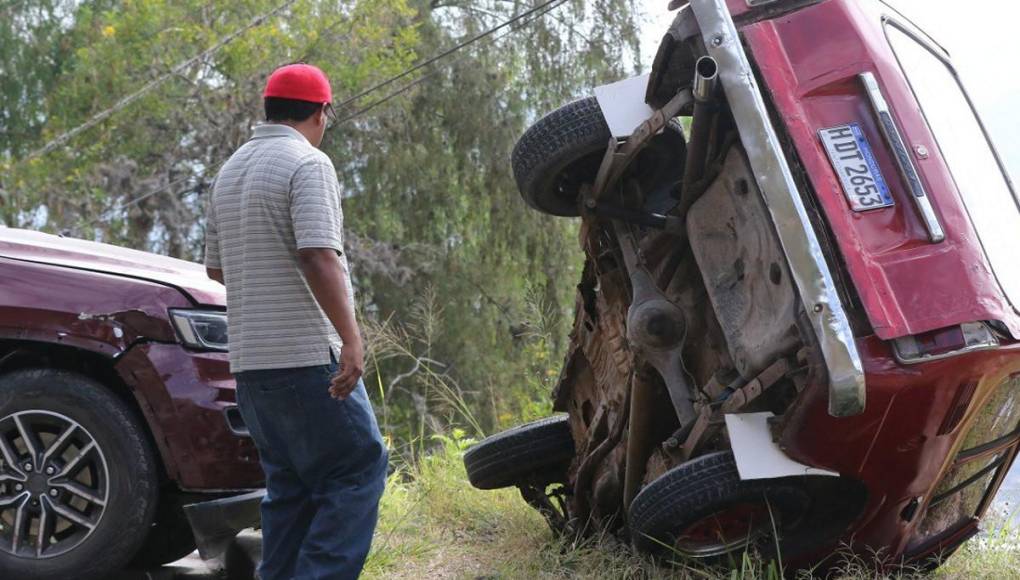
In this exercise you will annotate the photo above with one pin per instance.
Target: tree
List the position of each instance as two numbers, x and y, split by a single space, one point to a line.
433 179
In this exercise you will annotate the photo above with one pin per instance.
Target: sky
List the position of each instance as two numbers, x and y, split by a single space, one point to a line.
981 38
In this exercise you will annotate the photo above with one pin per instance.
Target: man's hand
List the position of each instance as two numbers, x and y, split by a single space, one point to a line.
352 366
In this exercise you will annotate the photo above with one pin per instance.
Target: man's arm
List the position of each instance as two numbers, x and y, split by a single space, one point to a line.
213 267
327 279
214 273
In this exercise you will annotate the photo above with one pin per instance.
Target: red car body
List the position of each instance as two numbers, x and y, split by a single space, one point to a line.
881 238
809 57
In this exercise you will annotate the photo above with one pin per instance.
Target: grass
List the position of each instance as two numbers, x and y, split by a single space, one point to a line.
993 554
434 525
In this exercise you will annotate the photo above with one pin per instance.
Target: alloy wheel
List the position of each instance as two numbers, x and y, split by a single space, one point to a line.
54 484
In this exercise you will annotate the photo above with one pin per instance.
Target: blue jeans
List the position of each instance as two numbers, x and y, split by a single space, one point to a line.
325 465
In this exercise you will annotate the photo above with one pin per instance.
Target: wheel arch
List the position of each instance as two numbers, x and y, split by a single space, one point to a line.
18 355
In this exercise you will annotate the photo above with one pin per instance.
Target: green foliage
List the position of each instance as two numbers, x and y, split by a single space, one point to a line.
179 133
435 183
474 289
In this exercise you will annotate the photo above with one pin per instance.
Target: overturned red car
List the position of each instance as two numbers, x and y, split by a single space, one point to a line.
797 329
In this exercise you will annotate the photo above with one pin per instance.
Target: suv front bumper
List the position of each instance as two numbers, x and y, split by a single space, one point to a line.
217 522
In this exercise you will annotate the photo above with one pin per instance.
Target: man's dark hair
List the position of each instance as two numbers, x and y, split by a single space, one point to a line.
280 109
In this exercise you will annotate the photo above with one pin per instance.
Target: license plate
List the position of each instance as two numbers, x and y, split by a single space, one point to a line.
854 162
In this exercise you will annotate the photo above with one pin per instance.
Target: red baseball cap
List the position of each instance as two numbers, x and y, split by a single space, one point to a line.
302 82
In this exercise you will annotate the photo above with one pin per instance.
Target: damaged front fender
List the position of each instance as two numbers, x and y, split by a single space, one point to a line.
100 313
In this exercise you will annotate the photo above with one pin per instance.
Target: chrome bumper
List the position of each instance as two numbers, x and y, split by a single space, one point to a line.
796 234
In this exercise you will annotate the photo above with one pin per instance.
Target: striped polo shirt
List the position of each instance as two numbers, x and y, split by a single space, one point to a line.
277 194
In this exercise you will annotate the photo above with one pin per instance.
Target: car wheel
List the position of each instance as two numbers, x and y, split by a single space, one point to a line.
537 451
564 149
78 478
702 509
170 538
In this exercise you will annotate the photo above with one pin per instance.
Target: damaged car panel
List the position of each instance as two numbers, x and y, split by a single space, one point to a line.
187 395
811 286
98 312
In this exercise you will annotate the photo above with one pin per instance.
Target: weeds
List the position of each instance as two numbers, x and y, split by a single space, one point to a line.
434 525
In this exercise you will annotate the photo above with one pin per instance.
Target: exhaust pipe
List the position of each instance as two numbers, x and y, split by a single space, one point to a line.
706 78
704 90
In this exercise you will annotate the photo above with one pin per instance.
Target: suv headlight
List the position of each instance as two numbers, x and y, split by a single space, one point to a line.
201 329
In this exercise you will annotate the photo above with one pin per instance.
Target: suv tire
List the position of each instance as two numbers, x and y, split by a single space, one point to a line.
541 450
96 478
563 150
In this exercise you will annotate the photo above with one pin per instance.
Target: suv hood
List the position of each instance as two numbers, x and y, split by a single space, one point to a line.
188 277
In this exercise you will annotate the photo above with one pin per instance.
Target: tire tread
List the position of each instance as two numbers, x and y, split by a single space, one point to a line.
505 458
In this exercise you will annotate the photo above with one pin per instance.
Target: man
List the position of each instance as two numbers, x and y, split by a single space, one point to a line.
274 237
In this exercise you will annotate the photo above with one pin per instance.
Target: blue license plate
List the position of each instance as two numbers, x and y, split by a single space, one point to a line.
854 163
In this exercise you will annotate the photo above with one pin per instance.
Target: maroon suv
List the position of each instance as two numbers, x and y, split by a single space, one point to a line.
118 421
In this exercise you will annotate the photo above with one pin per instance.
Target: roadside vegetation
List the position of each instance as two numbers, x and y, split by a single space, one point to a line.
435 525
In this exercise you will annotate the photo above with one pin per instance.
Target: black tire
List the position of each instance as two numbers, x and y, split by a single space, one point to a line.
128 472
668 511
564 149
170 538
534 452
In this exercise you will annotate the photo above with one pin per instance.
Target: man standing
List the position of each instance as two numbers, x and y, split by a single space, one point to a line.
274 238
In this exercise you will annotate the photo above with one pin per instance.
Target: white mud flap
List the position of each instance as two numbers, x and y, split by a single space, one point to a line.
623 105
757 455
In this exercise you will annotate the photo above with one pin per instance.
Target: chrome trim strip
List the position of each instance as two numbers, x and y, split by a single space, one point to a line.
902 155
810 272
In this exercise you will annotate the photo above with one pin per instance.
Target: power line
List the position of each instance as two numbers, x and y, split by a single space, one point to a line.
551 6
448 52
548 6
124 102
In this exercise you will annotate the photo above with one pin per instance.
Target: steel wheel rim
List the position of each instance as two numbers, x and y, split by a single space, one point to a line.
54 484
734 528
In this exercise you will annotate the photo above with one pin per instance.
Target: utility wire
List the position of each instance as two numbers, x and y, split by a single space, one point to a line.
551 6
548 6
124 102
448 52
